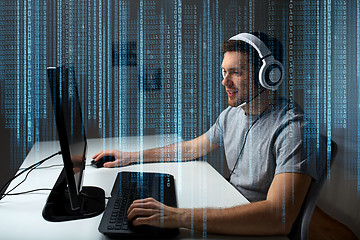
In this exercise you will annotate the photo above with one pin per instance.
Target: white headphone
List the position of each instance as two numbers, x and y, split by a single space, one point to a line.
272 71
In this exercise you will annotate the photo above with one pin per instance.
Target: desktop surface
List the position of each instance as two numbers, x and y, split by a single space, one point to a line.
197 184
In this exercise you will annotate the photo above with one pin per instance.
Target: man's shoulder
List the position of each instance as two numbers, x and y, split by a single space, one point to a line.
288 110
286 113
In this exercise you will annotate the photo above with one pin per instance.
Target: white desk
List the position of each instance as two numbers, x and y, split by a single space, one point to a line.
197 185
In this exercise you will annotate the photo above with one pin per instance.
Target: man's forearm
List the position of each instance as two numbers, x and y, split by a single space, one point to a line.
182 151
252 219
273 216
172 153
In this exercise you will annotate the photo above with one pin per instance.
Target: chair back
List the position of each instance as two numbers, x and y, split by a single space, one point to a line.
300 227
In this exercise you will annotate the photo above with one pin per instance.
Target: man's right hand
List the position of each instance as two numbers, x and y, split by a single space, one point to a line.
121 158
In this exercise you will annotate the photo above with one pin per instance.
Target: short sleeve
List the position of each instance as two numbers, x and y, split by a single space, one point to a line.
215 133
290 152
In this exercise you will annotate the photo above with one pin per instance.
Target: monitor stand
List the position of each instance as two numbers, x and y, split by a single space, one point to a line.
58 206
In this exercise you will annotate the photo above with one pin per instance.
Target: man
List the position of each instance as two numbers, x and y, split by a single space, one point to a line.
263 140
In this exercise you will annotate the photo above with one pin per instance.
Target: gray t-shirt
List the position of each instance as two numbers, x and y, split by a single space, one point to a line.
274 144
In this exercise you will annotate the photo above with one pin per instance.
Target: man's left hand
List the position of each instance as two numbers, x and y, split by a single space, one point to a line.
151 212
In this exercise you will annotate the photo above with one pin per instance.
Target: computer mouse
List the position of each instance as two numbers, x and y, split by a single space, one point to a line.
100 163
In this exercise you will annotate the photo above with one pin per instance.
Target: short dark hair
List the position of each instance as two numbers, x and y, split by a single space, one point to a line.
273 44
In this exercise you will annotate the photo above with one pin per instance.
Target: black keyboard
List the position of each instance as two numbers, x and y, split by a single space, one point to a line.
118 219
129 186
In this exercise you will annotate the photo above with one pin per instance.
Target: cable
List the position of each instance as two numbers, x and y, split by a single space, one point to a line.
247 132
51 166
21 181
31 168
54 165
30 191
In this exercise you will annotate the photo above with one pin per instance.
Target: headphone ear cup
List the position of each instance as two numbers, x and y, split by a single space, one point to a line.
271 74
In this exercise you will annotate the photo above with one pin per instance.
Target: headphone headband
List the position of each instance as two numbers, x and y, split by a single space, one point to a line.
255 42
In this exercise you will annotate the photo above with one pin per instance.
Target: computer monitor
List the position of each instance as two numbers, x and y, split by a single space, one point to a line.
68 199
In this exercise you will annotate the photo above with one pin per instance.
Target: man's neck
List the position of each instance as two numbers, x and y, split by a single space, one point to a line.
260 104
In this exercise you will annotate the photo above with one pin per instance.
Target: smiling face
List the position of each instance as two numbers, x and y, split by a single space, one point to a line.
237 74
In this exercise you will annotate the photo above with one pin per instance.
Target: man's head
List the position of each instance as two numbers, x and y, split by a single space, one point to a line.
242 64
